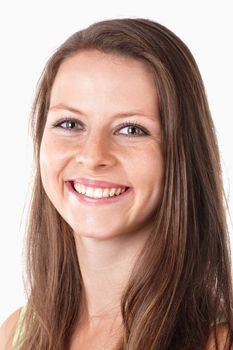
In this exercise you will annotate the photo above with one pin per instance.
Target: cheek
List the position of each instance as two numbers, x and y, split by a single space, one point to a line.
147 166
153 178
53 155
53 158
150 178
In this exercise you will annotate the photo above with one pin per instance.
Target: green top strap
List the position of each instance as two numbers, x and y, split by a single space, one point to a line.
220 319
19 329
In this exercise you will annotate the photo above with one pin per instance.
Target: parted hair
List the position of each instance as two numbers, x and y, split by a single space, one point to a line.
182 282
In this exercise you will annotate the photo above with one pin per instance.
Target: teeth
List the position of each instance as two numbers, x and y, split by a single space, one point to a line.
112 192
106 192
83 190
89 191
118 191
98 192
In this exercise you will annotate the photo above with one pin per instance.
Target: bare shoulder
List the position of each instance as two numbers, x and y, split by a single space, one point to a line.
222 334
7 330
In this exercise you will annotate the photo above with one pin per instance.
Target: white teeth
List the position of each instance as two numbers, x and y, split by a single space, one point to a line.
106 192
89 191
98 192
118 191
83 190
112 192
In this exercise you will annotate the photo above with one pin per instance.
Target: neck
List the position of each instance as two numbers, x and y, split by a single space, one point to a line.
106 266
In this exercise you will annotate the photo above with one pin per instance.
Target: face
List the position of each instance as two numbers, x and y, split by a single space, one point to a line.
103 132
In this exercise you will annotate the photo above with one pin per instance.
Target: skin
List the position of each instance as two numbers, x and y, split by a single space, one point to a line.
7 331
102 86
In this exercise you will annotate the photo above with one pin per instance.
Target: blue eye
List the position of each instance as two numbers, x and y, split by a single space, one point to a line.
68 124
134 129
72 125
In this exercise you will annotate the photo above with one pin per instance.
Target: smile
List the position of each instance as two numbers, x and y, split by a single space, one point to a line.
98 192
95 195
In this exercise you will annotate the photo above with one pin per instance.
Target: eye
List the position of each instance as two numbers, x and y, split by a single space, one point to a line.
133 129
68 124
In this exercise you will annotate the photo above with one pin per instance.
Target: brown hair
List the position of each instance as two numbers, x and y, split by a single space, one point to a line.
183 282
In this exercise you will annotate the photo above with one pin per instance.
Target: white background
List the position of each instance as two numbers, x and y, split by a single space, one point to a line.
29 33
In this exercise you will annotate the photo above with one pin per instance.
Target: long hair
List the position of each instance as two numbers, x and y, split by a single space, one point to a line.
182 283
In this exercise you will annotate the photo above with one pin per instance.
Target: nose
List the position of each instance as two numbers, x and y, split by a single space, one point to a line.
95 152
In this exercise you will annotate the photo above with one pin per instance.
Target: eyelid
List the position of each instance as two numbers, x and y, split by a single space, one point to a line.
66 119
125 124
136 125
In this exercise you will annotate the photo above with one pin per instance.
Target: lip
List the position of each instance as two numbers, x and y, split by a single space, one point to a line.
95 201
97 183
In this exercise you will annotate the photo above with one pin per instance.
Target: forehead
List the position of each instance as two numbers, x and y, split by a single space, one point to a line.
95 76
95 60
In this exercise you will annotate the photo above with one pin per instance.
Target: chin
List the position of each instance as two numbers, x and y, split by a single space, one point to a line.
101 235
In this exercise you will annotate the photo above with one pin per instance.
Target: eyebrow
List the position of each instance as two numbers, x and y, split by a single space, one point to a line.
63 106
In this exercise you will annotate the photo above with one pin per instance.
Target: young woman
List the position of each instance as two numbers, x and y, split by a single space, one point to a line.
127 237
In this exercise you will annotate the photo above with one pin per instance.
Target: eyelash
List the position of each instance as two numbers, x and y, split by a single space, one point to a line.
122 126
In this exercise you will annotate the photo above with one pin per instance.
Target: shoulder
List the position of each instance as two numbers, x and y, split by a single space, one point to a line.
222 335
7 330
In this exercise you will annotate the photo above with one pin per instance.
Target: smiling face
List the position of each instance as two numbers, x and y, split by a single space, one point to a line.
103 124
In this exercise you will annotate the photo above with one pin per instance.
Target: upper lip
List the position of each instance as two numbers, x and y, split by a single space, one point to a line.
97 183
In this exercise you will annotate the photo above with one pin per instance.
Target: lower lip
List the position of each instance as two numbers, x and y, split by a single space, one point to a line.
93 201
